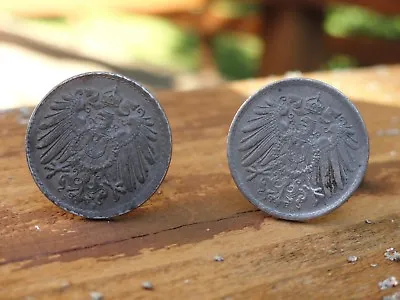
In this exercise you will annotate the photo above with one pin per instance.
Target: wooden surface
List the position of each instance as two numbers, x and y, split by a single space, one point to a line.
198 212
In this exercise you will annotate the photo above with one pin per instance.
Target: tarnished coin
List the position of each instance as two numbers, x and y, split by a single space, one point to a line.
98 145
298 149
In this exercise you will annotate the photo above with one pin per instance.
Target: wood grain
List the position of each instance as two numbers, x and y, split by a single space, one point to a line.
198 212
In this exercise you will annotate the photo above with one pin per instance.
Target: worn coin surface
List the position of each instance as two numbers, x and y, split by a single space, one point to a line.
298 149
98 145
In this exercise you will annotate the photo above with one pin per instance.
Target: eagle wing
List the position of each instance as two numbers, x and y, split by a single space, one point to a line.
337 159
261 135
60 128
136 154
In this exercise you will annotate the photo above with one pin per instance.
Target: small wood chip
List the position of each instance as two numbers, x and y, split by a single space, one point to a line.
96 296
392 255
367 221
395 296
65 284
147 285
388 283
218 258
352 259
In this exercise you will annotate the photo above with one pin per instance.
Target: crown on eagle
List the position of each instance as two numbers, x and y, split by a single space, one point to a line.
112 98
314 104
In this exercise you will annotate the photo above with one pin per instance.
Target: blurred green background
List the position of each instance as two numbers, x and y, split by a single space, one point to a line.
156 40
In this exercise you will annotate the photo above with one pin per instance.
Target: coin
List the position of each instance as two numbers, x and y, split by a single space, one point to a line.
298 149
98 145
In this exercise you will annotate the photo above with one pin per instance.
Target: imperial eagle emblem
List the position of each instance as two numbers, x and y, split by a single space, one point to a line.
299 150
97 144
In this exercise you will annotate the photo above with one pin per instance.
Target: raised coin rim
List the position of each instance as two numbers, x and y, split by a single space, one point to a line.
246 191
112 212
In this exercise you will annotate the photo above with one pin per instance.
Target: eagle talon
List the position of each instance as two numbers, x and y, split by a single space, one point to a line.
256 171
317 191
55 168
117 189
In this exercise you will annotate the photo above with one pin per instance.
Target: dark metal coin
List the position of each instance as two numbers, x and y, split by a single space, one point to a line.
298 149
98 145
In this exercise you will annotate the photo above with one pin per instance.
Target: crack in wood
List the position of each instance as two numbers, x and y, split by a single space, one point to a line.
44 255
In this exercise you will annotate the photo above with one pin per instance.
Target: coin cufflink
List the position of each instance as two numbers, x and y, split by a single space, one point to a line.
297 149
98 145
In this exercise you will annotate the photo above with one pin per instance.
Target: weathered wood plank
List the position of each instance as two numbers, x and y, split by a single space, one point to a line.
199 213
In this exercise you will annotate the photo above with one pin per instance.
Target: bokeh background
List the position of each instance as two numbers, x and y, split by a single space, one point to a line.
187 44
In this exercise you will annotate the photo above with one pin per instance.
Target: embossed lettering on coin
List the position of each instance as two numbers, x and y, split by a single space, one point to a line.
98 145
298 149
